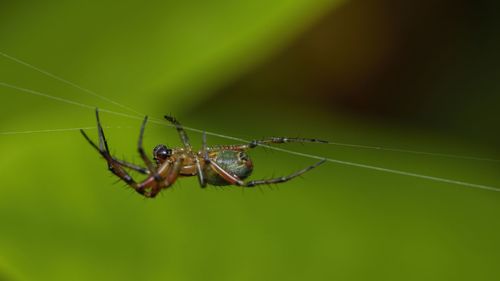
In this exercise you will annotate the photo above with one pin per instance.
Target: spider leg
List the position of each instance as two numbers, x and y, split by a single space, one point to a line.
204 153
271 140
103 144
283 179
204 150
114 166
141 151
180 130
132 166
103 149
187 146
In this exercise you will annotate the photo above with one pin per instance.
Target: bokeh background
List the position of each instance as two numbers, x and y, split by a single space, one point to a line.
417 75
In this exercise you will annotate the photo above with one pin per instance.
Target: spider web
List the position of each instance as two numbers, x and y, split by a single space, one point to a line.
138 115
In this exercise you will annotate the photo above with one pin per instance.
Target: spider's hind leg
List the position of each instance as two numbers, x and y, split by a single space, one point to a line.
282 179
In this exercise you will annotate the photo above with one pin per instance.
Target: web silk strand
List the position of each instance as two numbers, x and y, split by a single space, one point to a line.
76 86
93 93
54 130
381 169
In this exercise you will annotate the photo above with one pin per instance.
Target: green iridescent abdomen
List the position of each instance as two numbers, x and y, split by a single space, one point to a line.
234 162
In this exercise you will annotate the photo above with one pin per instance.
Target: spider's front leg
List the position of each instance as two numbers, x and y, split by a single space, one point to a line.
152 169
115 165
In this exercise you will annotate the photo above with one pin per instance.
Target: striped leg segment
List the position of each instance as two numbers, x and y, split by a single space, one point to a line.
113 165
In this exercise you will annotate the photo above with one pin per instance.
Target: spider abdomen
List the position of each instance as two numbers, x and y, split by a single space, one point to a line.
237 163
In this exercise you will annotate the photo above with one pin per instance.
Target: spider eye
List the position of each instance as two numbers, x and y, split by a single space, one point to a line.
161 152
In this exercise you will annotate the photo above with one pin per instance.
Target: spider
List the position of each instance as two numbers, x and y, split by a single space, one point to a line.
216 165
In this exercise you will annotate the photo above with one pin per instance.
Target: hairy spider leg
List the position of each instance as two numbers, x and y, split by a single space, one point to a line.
152 169
114 166
204 150
280 140
271 140
132 166
204 154
285 178
187 146
232 179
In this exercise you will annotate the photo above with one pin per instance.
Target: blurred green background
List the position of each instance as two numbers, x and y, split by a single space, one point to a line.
418 75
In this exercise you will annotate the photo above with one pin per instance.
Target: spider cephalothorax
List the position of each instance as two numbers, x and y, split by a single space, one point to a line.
216 165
